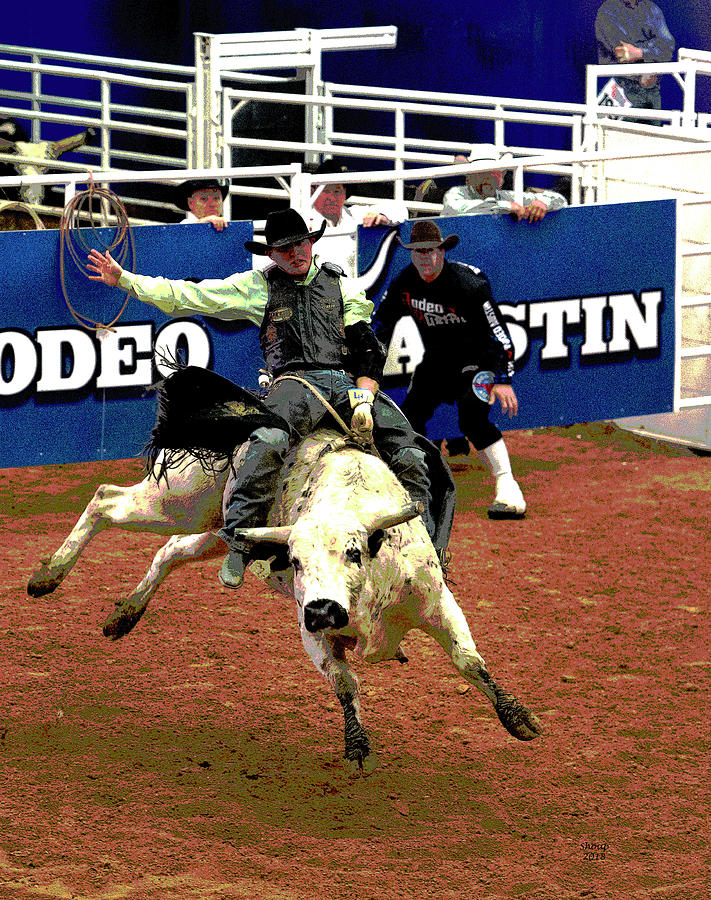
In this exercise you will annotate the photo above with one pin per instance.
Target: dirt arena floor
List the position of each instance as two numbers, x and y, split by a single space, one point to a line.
199 757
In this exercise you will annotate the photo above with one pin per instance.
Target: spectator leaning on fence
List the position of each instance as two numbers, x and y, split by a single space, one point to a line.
202 200
482 193
634 31
340 240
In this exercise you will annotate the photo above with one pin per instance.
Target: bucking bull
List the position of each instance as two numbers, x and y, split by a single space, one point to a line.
343 539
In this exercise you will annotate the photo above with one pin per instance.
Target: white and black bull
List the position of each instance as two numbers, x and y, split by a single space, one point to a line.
35 157
344 540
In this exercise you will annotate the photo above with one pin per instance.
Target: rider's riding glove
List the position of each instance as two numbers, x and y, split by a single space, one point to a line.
362 419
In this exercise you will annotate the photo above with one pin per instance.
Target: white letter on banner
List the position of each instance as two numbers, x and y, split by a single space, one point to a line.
198 345
554 314
594 309
519 335
627 316
24 362
126 356
406 348
56 346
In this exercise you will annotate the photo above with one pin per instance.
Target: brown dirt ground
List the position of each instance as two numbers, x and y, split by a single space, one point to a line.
199 757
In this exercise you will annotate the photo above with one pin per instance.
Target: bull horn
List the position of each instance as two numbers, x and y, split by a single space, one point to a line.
404 514
279 534
70 143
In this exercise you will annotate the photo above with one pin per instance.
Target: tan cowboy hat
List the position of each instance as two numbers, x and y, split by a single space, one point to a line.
425 235
284 227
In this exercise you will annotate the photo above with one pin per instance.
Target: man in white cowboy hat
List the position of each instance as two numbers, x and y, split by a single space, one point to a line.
482 193
313 322
202 199
468 358
341 234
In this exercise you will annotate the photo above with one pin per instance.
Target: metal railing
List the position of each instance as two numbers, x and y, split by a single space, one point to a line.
158 134
691 64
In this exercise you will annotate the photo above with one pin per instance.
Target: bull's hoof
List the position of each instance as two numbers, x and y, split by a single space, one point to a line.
123 618
43 581
516 718
362 764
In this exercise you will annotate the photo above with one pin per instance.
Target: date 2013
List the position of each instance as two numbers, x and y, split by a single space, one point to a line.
593 850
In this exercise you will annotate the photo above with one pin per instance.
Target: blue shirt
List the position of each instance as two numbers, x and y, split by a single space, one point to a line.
642 25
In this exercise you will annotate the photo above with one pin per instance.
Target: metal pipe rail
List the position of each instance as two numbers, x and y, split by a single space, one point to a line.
300 193
459 99
458 111
690 64
89 60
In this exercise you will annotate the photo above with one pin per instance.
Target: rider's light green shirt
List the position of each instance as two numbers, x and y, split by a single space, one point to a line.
239 296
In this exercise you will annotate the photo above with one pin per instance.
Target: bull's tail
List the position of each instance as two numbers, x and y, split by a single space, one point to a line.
202 414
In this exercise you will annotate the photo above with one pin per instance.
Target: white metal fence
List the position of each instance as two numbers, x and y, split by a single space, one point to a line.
141 111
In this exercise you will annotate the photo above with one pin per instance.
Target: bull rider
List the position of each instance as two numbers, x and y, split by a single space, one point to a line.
314 323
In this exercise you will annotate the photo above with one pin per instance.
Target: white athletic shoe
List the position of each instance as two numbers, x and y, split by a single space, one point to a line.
508 502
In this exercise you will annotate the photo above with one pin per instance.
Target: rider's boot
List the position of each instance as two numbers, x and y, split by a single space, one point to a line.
411 469
232 572
251 498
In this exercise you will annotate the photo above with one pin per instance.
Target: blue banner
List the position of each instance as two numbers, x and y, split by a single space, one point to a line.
67 395
588 296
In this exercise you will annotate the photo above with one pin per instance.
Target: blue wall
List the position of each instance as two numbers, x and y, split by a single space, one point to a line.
66 396
524 48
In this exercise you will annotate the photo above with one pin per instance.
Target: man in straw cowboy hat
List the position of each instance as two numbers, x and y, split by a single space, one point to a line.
482 193
468 356
313 322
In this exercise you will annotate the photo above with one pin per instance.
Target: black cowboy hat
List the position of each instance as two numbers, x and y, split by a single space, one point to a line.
330 166
187 189
425 235
283 228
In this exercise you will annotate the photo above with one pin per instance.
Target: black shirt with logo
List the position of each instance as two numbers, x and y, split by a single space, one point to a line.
457 318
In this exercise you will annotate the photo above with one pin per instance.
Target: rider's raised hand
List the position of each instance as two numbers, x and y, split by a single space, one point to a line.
105 267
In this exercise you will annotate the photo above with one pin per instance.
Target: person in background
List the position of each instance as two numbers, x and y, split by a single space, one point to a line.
340 240
202 200
312 322
468 352
634 31
482 193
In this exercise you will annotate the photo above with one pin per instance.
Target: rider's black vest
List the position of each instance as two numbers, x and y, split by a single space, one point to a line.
303 323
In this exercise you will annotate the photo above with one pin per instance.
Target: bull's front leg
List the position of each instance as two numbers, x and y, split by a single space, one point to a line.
329 657
178 551
445 622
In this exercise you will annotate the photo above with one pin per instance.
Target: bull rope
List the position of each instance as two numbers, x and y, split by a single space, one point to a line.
370 446
72 240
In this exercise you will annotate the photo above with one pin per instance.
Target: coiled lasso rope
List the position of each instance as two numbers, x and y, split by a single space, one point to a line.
72 242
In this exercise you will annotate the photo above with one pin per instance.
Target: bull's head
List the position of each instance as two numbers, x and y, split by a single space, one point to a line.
328 556
41 153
